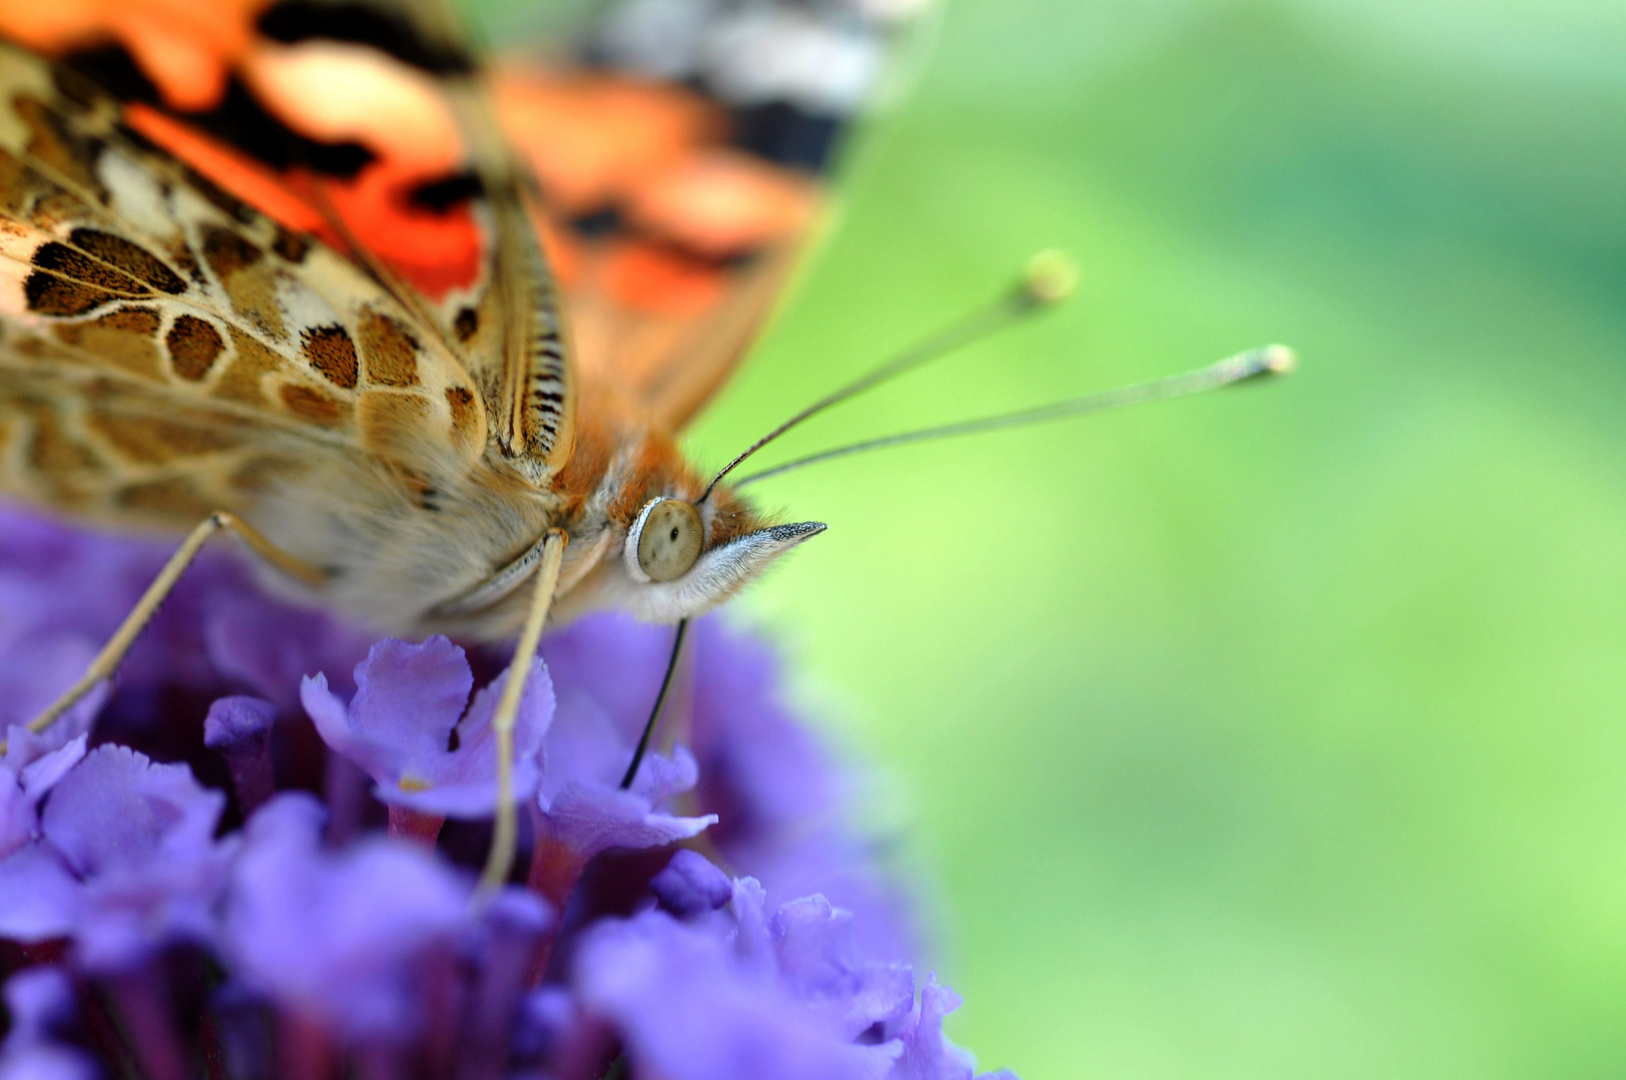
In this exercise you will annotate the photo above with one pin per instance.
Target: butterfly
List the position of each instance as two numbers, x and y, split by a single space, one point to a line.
422 331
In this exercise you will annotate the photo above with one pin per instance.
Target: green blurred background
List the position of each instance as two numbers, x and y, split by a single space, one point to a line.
1280 733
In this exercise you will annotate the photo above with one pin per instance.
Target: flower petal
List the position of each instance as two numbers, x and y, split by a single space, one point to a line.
691 885
39 898
686 1012
590 818
411 696
43 773
117 810
342 935
463 783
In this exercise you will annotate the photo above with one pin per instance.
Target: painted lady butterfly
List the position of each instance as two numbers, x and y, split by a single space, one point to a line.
278 266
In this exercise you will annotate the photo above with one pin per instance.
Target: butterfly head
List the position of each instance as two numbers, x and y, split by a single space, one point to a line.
681 557
668 546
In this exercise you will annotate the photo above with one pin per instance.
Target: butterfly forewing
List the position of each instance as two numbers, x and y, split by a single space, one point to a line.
168 347
303 279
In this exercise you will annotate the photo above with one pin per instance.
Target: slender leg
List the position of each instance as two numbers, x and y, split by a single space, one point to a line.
113 653
505 830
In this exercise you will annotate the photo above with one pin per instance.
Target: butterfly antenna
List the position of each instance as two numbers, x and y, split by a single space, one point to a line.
1254 364
1050 277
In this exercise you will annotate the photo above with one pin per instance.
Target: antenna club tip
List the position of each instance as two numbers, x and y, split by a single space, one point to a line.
1051 276
1279 359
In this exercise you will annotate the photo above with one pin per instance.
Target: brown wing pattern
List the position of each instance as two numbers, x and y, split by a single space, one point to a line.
168 348
366 124
679 157
490 284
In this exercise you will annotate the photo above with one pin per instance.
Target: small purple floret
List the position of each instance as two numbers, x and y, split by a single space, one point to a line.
690 885
338 937
29 772
926 1054
400 727
139 838
689 1010
239 724
587 818
118 813
239 729
41 1002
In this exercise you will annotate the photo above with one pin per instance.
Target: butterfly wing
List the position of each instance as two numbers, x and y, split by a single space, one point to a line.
168 348
430 193
680 175
355 128
682 148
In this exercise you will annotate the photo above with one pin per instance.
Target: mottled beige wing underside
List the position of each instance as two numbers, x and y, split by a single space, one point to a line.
165 349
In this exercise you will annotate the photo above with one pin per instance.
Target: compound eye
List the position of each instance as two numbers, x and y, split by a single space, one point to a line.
667 538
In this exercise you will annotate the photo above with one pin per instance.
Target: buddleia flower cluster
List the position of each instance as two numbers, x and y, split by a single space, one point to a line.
255 857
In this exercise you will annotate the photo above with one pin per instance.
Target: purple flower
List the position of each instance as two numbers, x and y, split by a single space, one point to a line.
268 647
40 1001
45 1060
589 817
127 861
36 891
239 730
342 951
688 1008
781 778
39 898
780 794
60 584
820 959
742 995
335 937
64 591
29 771
408 712
690 885
927 1055
607 669
117 813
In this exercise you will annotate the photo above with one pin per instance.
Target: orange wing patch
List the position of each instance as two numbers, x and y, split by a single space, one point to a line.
657 279
327 91
436 253
591 139
722 203
672 247
183 48
247 179
355 113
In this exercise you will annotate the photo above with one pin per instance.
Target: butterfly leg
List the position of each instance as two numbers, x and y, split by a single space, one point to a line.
505 830
113 653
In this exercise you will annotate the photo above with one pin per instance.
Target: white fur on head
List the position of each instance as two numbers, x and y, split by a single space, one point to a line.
716 576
